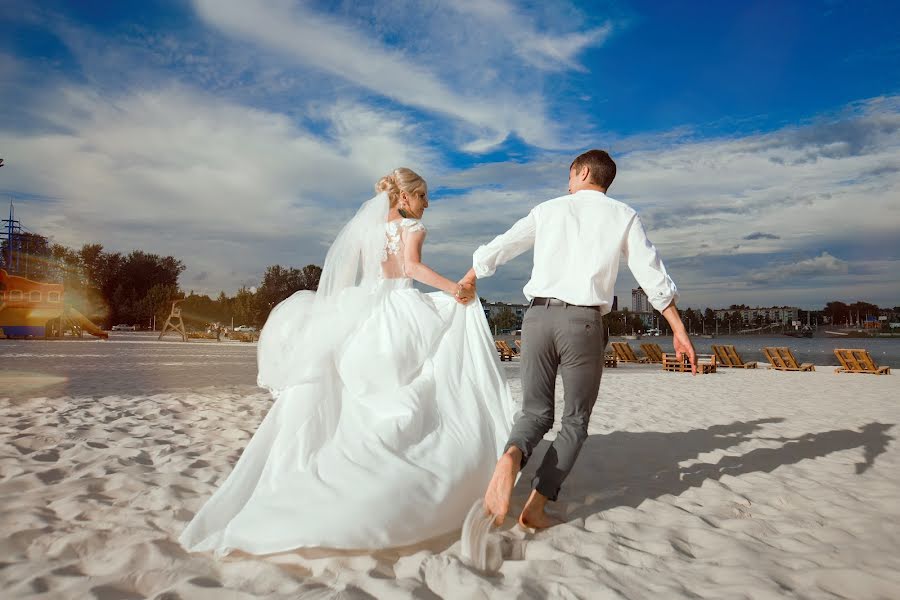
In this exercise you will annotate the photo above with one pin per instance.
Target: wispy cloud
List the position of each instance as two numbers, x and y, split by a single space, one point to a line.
331 46
542 49
438 78
822 265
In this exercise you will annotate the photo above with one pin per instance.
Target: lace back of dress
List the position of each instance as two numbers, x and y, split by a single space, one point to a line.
392 263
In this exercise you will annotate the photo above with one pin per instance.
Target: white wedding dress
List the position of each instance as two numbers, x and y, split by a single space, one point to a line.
390 414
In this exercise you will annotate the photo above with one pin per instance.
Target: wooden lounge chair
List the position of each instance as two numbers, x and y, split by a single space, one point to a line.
518 348
653 351
782 359
858 360
624 353
505 351
609 360
727 356
706 363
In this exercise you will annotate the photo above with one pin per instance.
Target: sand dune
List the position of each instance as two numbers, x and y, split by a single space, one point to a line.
733 485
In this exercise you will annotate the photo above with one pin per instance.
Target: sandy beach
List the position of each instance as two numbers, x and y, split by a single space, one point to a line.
740 484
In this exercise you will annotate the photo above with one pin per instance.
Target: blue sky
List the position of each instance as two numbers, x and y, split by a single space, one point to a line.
760 140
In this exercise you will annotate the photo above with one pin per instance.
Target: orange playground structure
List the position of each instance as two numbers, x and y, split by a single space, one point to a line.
32 309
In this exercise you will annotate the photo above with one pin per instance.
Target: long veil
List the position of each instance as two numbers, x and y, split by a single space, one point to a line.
354 259
302 334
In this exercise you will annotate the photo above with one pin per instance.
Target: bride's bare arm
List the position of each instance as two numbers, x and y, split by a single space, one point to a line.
418 270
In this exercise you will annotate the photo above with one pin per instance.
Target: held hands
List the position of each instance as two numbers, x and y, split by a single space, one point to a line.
465 292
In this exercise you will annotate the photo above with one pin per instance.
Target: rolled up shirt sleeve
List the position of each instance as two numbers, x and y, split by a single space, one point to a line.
648 268
504 247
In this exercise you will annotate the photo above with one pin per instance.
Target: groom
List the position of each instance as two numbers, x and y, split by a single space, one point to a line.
577 241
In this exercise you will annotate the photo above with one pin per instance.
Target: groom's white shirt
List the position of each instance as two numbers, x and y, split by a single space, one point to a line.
577 241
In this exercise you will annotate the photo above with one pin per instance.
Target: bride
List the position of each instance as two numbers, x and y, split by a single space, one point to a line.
390 409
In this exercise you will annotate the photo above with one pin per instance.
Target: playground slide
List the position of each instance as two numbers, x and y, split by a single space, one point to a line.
86 323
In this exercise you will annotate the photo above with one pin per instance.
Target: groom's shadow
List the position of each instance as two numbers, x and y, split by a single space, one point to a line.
625 468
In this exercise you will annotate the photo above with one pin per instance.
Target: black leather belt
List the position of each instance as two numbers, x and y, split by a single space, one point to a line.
558 302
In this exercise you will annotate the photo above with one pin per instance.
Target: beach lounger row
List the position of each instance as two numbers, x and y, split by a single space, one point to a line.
780 358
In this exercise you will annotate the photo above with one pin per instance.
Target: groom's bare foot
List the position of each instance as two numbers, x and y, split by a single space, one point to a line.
533 515
499 492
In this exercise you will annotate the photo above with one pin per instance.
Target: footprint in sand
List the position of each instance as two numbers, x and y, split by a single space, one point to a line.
205 582
109 592
51 476
47 456
68 571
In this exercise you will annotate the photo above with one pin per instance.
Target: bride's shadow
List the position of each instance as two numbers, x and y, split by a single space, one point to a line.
625 468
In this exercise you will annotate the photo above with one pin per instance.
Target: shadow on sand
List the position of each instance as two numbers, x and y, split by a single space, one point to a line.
625 468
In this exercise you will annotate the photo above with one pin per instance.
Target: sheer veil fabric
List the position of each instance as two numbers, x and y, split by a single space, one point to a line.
390 410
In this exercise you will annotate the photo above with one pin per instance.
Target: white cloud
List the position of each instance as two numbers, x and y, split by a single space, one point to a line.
822 265
544 50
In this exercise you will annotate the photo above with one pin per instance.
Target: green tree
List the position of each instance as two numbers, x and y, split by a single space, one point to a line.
223 306
691 320
157 302
199 311
635 323
31 257
280 283
615 322
245 308
837 312
504 318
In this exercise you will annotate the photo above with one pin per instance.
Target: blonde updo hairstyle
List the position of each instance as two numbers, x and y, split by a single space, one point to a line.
401 180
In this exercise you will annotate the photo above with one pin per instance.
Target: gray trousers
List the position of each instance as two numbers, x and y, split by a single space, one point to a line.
570 339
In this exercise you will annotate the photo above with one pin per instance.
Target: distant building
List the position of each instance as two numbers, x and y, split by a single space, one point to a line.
772 314
641 307
639 301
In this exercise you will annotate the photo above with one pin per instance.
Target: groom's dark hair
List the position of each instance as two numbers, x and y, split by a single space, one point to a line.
600 165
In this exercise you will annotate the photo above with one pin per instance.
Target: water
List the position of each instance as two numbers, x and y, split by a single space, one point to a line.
819 351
